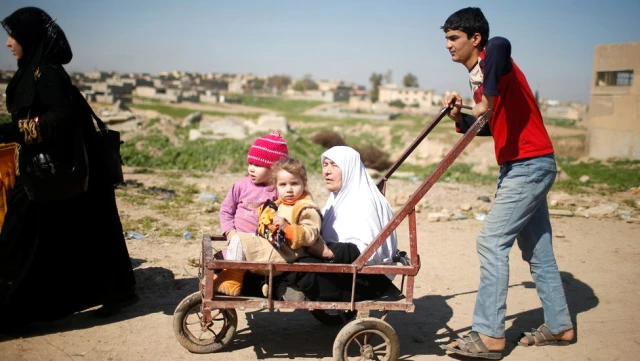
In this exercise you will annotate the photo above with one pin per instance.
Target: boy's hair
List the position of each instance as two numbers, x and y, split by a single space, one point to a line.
291 165
469 21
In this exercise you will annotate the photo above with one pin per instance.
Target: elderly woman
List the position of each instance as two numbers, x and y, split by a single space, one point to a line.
355 212
354 215
65 255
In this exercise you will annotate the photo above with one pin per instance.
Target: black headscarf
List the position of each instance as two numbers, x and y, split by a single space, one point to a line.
43 43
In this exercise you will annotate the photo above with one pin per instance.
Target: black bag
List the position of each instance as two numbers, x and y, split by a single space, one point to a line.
105 145
58 172
51 176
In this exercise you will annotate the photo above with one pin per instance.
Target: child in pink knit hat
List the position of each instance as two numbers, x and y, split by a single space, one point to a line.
238 212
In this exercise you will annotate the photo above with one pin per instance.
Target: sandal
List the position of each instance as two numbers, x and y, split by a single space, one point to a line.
472 346
541 337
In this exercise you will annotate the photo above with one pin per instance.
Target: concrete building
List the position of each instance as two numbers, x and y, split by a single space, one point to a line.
236 86
341 94
163 94
409 96
328 85
211 97
614 111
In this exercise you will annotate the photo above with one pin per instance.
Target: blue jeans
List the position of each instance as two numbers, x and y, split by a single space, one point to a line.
519 212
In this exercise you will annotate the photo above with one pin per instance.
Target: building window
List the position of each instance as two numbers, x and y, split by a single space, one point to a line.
614 78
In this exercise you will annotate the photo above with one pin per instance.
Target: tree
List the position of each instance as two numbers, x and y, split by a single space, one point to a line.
397 103
305 84
376 81
257 84
410 81
388 77
279 82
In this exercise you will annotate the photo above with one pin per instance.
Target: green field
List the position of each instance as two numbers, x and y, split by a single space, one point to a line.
229 155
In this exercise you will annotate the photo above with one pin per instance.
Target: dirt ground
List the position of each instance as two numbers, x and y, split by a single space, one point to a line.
598 259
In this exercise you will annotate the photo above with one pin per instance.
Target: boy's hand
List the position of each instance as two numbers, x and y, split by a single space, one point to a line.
279 222
454 113
482 107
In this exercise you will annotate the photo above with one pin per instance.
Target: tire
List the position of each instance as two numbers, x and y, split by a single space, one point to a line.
334 317
187 326
366 339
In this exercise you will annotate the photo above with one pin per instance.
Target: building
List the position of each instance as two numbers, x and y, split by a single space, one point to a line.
163 94
614 111
236 86
409 96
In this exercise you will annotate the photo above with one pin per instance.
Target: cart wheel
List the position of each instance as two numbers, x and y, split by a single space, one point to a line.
197 337
366 339
333 317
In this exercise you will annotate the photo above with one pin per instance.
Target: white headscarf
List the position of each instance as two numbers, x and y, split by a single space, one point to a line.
358 211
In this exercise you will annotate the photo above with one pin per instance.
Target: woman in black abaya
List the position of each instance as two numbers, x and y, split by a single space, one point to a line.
64 256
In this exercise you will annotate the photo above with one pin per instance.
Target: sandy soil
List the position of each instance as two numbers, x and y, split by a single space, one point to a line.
598 259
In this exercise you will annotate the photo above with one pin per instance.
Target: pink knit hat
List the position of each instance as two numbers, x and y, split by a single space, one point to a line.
268 149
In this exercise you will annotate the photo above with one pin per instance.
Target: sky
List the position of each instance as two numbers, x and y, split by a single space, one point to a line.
552 41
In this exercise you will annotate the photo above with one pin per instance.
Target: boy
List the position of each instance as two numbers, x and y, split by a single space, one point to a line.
527 172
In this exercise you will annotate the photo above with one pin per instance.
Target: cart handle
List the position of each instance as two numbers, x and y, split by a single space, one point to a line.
416 196
461 106
444 111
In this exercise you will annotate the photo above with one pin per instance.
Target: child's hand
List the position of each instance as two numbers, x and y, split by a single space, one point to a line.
230 235
279 222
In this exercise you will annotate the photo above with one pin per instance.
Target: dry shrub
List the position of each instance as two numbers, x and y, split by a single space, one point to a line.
328 139
373 157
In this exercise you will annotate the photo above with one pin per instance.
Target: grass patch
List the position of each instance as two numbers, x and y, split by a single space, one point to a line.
5 118
629 203
560 122
411 117
279 104
173 175
174 112
147 223
362 139
149 100
143 171
131 196
151 122
617 175
142 225
177 112
415 125
225 155
457 172
156 151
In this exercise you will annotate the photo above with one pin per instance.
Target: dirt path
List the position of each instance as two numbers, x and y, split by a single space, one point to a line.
598 259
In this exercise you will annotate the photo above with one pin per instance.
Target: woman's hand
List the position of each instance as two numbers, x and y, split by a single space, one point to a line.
279 222
327 253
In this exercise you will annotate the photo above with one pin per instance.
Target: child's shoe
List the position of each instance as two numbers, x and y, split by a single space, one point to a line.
229 282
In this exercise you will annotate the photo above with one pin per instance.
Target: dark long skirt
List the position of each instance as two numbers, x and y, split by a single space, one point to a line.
332 286
61 257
